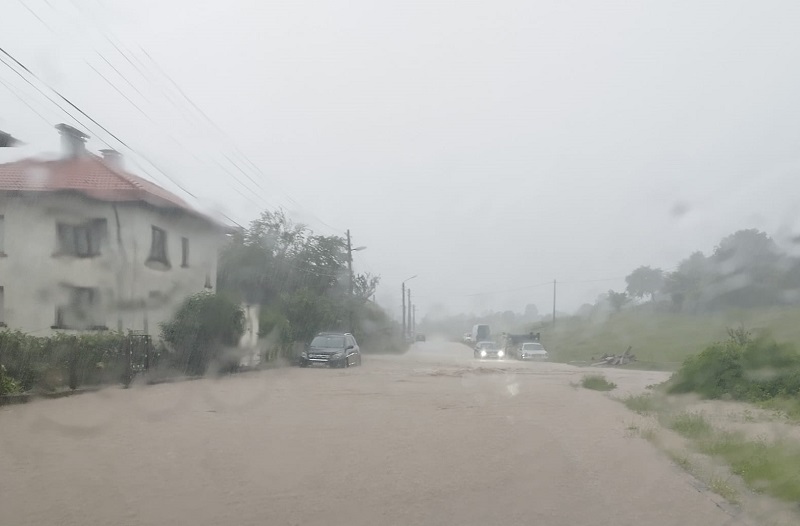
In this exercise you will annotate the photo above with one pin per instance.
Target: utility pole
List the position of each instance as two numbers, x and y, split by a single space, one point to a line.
414 319
554 303
407 322
350 263
409 311
350 251
403 296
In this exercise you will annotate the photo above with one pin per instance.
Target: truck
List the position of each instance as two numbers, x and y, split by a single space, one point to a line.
481 333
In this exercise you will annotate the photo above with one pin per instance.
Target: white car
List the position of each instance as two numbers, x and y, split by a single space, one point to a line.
532 351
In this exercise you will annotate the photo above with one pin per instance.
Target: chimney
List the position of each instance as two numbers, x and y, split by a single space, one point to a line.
113 159
73 141
7 141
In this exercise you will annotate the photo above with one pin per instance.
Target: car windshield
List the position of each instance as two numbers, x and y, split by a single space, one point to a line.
532 347
321 211
328 342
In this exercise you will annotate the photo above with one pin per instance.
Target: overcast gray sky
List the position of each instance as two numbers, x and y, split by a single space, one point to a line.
484 145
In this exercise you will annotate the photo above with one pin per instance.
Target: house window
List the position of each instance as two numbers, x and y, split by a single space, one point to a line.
2 307
82 311
158 247
82 240
184 252
2 235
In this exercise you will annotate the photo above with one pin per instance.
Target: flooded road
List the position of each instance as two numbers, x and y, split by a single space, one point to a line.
432 437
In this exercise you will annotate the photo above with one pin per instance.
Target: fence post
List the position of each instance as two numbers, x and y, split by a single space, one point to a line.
126 349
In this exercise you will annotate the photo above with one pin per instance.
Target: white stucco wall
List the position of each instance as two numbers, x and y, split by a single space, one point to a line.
134 295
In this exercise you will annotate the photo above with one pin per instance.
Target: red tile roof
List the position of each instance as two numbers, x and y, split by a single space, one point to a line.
88 175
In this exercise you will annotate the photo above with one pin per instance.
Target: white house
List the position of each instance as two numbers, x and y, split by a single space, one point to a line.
86 245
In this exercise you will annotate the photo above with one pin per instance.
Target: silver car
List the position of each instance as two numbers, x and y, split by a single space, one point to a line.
532 351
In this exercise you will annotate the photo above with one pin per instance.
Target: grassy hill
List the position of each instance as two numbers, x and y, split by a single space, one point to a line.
659 340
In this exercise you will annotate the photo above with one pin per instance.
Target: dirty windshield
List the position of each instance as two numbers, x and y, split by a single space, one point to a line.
392 262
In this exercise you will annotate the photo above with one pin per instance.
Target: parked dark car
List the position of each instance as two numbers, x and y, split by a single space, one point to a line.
420 337
334 349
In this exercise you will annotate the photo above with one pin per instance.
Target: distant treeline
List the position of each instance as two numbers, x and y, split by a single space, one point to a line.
747 269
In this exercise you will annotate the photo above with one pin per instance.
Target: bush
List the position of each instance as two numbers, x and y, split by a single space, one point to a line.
7 384
205 327
597 382
741 368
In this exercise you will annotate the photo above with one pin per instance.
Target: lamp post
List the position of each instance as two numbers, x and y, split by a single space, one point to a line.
403 296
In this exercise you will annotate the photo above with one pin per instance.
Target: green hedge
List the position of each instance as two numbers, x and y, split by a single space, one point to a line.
63 360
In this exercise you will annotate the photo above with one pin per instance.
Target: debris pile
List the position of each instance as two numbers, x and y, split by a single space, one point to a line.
616 359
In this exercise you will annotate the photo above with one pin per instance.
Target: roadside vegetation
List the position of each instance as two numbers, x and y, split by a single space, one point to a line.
61 361
745 368
741 368
597 382
302 284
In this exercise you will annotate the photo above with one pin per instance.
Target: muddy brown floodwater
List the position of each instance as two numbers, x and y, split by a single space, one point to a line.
433 437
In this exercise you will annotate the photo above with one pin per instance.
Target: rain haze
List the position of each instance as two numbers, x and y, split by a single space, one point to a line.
392 262
485 146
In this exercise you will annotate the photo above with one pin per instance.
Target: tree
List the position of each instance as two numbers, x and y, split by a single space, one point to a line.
644 281
364 285
531 312
749 268
689 284
300 279
203 328
617 300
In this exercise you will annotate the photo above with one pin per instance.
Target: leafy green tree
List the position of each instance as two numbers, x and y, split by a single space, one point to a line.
644 281
205 326
617 300
300 279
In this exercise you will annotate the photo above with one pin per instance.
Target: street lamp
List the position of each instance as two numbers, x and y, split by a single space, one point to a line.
403 295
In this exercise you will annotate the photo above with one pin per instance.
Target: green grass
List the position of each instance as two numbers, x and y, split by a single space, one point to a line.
689 425
597 382
769 468
788 407
724 489
642 404
660 340
682 461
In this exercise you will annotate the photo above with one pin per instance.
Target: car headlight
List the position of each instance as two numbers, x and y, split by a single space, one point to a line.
304 354
338 354
500 354
483 353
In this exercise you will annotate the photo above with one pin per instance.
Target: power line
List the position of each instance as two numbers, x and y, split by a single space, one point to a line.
75 119
179 185
14 92
509 290
140 69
